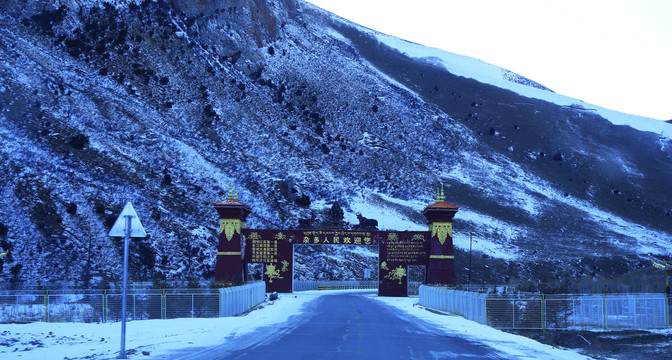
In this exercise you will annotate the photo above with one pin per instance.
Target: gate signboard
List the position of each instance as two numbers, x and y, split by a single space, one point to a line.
397 249
274 249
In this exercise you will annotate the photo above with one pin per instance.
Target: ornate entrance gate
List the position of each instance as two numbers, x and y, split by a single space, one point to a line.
397 249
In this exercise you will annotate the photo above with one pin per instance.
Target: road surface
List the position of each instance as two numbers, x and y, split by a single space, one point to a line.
346 326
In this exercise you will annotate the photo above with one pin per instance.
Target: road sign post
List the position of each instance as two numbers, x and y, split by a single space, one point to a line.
127 225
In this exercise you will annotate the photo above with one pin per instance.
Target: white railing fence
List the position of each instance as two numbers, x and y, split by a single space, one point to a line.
22 306
239 299
539 311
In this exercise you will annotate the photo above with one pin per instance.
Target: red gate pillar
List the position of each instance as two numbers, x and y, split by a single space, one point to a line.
441 269
232 216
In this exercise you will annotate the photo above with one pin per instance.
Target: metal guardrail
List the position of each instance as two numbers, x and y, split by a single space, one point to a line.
23 306
539 311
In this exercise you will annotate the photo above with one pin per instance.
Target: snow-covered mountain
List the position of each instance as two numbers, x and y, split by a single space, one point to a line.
166 103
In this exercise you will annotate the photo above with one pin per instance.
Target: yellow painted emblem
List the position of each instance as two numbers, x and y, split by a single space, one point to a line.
397 274
229 227
384 266
419 237
272 273
442 230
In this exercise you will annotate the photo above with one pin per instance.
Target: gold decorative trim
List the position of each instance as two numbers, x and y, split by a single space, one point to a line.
229 253
398 273
442 256
419 237
272 271
229 227
442 230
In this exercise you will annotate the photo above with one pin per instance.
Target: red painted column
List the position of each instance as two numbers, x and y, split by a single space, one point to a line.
232 217
441 267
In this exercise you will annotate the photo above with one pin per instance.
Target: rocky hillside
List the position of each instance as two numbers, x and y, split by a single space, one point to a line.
166 103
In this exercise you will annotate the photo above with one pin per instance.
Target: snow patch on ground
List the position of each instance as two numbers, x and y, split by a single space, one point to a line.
499 178
389 217
494 238
337 35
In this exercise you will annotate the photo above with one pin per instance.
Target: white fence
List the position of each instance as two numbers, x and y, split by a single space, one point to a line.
237 300
19 306
539 311
470 305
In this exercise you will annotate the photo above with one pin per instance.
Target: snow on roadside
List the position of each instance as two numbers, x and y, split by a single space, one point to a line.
158 337
161 338
512 346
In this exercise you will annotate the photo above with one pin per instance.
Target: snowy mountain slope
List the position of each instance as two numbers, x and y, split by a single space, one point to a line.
165 103
493 75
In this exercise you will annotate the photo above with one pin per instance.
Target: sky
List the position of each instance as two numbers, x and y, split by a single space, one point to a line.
612 53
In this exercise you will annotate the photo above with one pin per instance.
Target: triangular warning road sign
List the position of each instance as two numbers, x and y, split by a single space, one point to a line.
118 229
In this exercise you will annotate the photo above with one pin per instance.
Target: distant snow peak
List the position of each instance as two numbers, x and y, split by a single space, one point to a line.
518 79
494 75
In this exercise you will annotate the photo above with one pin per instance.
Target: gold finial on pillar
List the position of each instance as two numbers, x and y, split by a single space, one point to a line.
235 193
230 196
442 197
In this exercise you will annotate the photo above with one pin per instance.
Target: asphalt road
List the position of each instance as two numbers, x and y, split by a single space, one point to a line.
347 326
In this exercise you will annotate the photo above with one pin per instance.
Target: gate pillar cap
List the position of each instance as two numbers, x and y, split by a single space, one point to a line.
231 203
441 205
232 207
440 211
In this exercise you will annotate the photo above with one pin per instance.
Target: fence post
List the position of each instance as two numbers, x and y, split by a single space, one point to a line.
513 307
543 313
485 308
604 310
667 312
46 306
105 305
163 304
